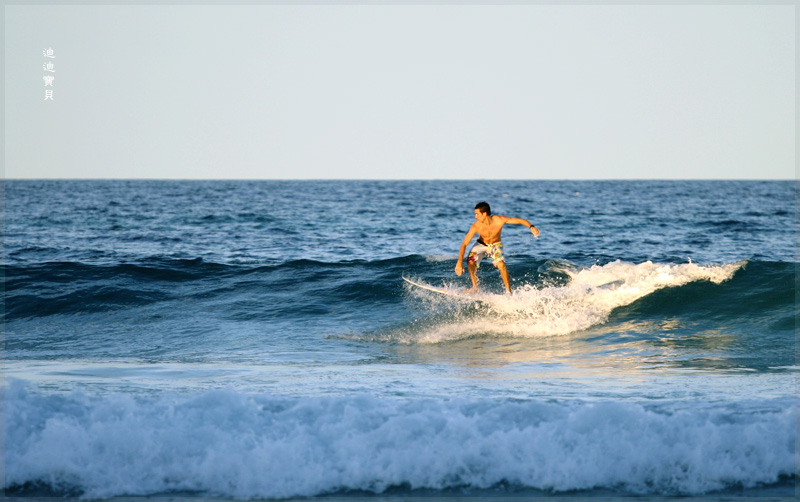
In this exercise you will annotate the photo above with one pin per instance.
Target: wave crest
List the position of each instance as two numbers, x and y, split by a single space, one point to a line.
587 299
225 443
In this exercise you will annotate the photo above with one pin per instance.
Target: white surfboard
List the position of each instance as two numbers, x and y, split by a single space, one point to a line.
456 293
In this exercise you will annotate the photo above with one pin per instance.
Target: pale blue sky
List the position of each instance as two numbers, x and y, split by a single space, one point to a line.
402 92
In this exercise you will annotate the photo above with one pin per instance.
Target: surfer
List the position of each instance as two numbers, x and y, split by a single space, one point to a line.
488 228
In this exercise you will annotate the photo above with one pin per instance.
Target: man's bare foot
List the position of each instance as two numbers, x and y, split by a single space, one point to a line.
471 290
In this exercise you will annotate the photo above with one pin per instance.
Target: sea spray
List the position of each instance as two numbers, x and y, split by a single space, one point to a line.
231 444
541 310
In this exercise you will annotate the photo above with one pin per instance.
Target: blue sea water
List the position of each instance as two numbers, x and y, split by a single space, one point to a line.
256 339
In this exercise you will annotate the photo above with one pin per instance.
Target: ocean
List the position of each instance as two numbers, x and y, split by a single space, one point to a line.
255 339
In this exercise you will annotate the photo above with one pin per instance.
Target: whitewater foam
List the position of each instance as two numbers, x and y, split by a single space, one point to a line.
225 443
440 258
541 311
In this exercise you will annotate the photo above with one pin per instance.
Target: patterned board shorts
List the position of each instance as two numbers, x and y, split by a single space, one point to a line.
481 249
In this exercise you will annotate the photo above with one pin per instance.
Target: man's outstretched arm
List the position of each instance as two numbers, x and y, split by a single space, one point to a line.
520 221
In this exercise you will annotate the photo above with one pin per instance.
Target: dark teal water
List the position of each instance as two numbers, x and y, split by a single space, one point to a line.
256 339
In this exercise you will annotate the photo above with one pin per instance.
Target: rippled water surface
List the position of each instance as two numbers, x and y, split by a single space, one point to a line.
157 330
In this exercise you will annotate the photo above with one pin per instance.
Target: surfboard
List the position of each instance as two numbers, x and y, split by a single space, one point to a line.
475 297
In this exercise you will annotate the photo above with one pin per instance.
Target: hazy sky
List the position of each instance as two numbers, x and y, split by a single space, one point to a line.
401 91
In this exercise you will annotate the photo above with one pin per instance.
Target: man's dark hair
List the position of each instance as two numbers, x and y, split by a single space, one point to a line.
483 207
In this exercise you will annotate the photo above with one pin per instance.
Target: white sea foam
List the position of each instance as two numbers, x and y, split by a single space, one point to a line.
224 443
588 299
440 258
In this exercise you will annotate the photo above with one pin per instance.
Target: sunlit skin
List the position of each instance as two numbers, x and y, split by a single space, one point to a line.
489 228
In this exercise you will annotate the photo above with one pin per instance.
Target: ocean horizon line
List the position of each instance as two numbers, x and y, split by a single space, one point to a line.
493 180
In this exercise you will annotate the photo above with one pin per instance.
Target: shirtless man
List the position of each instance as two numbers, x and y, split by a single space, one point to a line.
488 228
